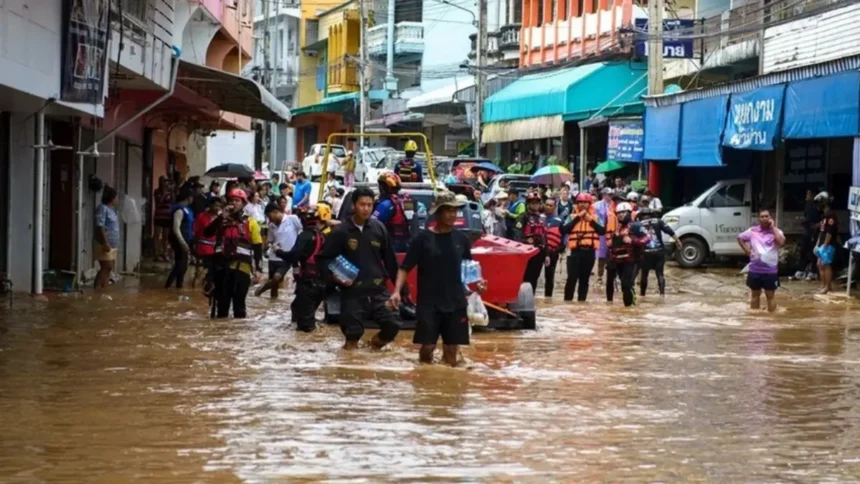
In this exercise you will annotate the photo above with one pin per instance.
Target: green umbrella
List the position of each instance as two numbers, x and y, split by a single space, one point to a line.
608 165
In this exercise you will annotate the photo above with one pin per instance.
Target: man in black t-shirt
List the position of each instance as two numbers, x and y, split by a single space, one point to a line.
438 253
825 247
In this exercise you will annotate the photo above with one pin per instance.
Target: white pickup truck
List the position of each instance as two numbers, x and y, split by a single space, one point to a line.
710 224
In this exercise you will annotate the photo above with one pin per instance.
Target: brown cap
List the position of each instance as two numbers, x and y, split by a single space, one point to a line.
445 199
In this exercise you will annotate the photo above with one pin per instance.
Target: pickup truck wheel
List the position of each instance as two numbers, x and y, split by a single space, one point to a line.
692 254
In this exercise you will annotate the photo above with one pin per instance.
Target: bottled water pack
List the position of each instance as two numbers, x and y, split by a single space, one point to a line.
470 272
343 269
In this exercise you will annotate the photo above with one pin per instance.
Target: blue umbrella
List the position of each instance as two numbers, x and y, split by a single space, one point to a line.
486 165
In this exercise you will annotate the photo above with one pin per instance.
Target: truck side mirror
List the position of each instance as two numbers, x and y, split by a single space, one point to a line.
709 202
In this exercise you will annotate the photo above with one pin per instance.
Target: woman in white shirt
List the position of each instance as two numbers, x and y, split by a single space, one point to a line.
256 209
655 203
283 231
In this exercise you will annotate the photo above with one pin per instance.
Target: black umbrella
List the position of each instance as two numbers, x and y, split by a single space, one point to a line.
230 170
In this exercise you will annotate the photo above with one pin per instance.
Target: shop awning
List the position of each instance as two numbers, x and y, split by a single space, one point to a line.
702 124
753 119
663 132
572 94
523 129
442 96
232 93
331 104
826 107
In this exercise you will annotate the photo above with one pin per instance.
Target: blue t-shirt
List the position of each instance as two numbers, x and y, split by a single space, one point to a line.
106 217
384 211
301 189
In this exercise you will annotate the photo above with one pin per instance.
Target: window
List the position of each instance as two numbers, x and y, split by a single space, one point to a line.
729 196
540 13
805 168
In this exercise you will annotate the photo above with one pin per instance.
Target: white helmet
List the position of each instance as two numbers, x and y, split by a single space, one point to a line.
623 207
821 197
633 197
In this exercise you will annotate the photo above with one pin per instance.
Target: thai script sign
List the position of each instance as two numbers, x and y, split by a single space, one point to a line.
626 141
754 119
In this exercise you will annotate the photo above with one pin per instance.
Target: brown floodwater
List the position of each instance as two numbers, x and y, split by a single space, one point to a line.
693 387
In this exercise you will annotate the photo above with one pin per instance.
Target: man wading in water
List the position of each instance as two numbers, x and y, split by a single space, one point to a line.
761 243
438 253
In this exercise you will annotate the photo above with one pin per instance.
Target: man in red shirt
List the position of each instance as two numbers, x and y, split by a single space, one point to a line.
205 247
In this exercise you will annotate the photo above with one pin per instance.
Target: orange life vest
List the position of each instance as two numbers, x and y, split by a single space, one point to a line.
583 235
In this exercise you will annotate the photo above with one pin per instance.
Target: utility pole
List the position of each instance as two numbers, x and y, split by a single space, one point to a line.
276 63
655 75
363 77
390 80
480 40
266 80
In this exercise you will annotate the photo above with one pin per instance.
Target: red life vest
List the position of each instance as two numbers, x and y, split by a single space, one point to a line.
619 251
553 238
236 238
308 268
398 225
534 231
206 246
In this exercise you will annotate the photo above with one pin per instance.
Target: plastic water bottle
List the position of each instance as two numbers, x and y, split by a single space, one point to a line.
343 269
470 272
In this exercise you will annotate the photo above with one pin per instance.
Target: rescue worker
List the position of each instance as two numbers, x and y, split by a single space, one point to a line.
516 207
625 246
530 229
654 257
554 245
241 256
310 285
585 229
407 168
364 242
206 247
633 199
391 211
180 237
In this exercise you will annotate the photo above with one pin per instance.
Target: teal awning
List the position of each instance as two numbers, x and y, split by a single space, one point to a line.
575 94
331 104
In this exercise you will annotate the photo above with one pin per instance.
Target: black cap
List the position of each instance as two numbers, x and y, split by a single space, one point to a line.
194 182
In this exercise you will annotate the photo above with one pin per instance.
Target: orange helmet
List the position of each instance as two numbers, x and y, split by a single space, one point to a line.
390 179
238 193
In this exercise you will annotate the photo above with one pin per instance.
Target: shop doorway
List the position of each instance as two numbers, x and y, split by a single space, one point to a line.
61 187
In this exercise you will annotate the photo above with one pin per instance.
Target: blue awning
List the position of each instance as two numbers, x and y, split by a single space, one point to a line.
702 124
826 107
663 133
576 93
754 118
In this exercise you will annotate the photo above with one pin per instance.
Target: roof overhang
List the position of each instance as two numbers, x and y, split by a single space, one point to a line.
232 93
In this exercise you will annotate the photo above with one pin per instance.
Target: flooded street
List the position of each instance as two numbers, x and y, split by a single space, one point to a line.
689 388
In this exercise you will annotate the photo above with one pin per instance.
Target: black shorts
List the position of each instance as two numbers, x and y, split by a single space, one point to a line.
453 327
763 282
278 267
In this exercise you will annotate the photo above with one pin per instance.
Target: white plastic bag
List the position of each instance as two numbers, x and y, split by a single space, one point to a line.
475 310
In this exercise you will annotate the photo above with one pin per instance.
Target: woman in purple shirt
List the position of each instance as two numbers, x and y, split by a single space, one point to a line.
761 243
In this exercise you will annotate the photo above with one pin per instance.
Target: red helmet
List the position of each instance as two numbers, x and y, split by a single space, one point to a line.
583 197
390 179
238 193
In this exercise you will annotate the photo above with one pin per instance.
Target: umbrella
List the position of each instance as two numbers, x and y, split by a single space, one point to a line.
607 166
259 175
230 170
552 175
486 165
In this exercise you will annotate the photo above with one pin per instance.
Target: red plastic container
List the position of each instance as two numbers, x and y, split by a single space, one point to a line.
503 264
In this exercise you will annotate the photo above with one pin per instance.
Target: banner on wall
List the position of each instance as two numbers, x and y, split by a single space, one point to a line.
85 40
626 142
754 118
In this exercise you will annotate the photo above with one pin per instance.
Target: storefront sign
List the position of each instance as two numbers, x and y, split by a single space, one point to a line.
753 121
85 41
673 48
626 141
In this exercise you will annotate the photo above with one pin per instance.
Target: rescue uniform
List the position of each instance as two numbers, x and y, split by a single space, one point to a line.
242 251
310 285
553 247
654 257
583 242
180 256
391 212
530 229
409 170
370 249
205 247
623 257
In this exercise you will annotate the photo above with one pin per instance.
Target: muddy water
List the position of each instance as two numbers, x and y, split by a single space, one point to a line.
692 388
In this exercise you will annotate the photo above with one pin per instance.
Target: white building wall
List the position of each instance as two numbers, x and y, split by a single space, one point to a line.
812 40
230 147
21 201
30 47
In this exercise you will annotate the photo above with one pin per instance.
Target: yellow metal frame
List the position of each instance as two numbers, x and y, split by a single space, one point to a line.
422 136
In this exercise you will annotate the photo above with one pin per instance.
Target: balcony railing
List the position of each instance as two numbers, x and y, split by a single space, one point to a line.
739 25
408 39
510 37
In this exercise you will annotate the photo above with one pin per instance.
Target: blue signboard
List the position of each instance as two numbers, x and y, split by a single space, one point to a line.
672 48
753 120
626 141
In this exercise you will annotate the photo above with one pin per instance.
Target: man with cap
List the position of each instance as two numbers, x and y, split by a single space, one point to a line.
439 254
493 215
604 209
